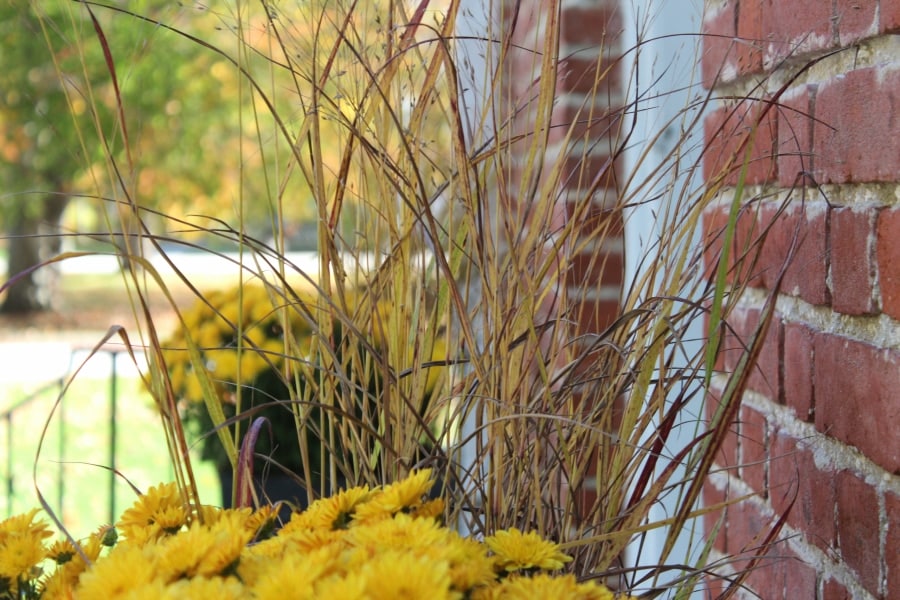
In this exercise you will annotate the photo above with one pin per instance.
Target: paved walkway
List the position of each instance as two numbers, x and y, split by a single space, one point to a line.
47 357
29 363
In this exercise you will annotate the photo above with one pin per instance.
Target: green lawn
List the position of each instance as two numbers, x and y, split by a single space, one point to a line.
141 454
92 302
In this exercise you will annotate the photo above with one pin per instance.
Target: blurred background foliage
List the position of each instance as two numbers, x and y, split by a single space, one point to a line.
193 150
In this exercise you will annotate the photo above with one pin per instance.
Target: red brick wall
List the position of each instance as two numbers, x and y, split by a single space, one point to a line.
820 424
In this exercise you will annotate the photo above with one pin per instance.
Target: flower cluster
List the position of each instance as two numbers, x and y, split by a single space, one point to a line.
239 334
242 337
251 341
361 543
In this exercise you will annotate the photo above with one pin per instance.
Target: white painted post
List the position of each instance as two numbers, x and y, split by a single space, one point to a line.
663 79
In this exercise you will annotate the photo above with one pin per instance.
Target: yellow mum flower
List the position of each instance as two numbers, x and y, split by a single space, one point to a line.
304 540
207 335
64 579
21 549
259 560
256 336
193 317
433 509
261 523
25 524
470 566
193 391
20 555
61 551
260 312
123 569
403 574
230 314
177 378
402 532
159 511
201 588
209 514
223 365
351 587
402 496
516 551
543 585
330 513
294 577
252 363
203 550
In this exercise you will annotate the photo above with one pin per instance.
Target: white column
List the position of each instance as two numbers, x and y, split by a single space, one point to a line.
663 80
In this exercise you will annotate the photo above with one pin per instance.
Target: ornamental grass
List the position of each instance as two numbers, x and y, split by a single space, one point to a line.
443 329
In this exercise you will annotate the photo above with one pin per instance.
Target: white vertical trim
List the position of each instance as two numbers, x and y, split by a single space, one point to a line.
658 77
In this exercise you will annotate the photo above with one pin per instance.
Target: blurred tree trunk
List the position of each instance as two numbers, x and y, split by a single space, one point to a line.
33 238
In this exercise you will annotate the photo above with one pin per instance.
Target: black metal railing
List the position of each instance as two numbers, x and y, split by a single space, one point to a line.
10 417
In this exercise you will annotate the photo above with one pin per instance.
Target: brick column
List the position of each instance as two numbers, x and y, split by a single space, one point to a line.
589 95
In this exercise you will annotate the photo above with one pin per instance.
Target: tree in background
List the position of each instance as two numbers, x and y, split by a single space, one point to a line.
188 151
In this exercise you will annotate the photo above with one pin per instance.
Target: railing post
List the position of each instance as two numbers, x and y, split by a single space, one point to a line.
61 453
10 489
112 436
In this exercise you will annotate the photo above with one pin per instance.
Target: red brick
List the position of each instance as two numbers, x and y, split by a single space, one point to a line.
747 529
800 579
598 127
583 26
779 230
892 545
795 137
715 220
713 518
579 73
713 587
727 457
589 270
888 259
781 574
589 218
732 131
523 23
742 322
765 375
767 579
808 271
745 524
889 16
750 36
592 170
748 246
855 395
806 274
766 378
858 528
846 134
717 61
798 369
853 261
594 316
788 35
754 449
855 20
794 476
834 590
